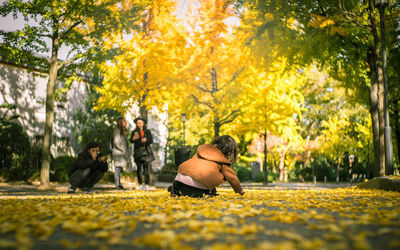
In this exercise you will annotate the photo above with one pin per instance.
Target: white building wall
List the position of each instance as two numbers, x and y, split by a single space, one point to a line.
27 90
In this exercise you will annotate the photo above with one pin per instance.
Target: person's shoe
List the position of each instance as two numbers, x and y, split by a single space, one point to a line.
140 187
87 190
146 188
120 187
71 190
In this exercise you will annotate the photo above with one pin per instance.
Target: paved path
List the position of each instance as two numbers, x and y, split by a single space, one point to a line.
21 189
280 216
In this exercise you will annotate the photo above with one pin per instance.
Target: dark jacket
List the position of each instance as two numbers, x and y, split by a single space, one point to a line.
84 161
138 143
210 167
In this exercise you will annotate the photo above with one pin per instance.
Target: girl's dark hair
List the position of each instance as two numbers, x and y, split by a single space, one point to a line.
227 145
92 144
119 125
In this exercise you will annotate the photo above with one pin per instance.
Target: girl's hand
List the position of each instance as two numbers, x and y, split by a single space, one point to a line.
135 136
143 139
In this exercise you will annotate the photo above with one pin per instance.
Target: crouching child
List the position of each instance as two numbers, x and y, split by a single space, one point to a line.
207 169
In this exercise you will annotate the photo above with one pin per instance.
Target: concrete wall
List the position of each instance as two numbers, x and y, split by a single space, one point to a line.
26 89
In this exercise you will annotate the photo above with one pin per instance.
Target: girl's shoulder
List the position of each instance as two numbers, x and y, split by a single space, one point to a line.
116 131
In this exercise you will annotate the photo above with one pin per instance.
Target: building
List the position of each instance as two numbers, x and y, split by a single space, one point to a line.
25 87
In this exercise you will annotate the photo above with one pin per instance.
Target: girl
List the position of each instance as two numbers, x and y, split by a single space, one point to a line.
142 138
120 151
207 169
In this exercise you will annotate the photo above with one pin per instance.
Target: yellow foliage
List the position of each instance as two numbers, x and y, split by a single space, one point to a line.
320 21
153 219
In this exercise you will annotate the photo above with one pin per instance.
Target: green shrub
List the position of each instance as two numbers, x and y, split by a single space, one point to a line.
108 177
243 171
59 168
259 177
272 177
167 173
15 152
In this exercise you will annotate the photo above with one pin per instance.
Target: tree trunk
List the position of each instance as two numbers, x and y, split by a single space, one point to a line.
265 167
48 127
217 127
282 165
337 170
381 113
143 112
376 98
396 124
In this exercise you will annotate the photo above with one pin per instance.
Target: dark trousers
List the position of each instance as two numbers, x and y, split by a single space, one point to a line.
142 165
178 188
85 177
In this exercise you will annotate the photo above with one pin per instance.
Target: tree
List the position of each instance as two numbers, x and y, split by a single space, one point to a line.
200 57
94 125
342 37
272 103
143 73
216 78
335 140
78 24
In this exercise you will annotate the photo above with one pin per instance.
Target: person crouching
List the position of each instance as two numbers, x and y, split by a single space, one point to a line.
207 169
88 169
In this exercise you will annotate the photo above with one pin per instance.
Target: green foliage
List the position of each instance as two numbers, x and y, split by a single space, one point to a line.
242 170
324 167
108 177
260 177
94 125
81 25
15 147
59 168
167 173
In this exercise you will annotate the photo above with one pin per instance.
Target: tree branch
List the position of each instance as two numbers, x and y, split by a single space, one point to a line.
229 118
204 90
44 35
69 29
200 102
70 60
235 75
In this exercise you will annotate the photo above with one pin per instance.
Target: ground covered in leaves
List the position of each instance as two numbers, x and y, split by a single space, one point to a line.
345 218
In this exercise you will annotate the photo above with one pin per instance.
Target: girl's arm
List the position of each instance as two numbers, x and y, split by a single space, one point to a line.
231 177
132 135
149 137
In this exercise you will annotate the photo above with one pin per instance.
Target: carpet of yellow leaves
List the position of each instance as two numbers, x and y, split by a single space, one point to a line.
261 219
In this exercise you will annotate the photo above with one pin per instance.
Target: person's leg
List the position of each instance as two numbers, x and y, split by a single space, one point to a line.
78 178
179 189
139 173
213 192
93 178
117 176
146 175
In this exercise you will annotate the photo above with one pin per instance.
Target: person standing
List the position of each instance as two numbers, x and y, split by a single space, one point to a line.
141 137
120 151
88 168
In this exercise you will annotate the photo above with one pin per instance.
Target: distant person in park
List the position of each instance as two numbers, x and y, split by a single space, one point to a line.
141 138
120 151
207 169
88 169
